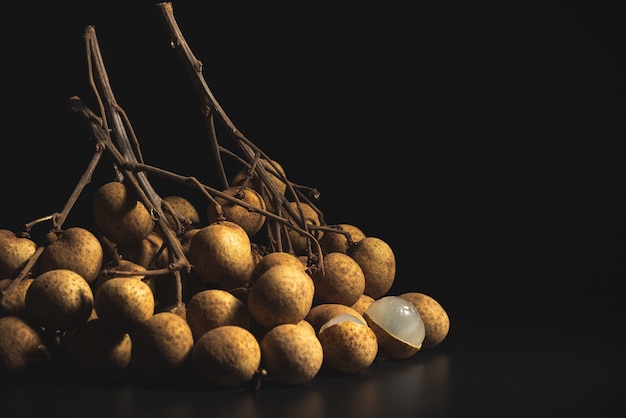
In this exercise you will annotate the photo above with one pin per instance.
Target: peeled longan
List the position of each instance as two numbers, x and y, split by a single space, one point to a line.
283 294
291 354
227 356
378 262
340 281
435 317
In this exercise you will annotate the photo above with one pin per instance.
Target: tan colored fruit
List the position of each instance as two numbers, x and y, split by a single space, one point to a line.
76 249
311 218
14 253
320 314
275 258
257 184
185 239
250 221
340 281
227 356
398 326
123 304
59 300
161 346
14 302
435 317
378 262
212 308
22 346
363 303
119 215
283 294
350 345
291 354
149 252
338 242
121 265
96 349
221 253
185 209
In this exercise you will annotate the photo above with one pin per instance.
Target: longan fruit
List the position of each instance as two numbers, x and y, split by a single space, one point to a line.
161 346
227 356
291 354
378 262
435 317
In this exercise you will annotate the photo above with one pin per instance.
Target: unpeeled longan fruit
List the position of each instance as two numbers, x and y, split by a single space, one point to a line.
227 356
291 354
435 317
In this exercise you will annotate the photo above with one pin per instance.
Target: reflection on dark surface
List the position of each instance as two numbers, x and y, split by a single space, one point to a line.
387 388
507 366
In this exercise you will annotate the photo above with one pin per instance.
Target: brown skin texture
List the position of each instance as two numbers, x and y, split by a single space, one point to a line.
119 215
14 253
340 281
221 253
123 304
212 308
318 315
273 259
96 349
435 317
363 303
283 294
378 262
21 346
161 346
146 252
349 348
226 356
291 354
59 300
14 302
76 249
257 184
251 222
183 208
299 241
337 242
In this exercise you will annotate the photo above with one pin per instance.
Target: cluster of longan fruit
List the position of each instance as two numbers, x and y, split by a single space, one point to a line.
88 300
259 287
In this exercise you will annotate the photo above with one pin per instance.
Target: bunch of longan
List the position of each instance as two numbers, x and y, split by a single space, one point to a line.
254 285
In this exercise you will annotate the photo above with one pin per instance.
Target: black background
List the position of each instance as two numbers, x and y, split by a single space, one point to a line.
486 146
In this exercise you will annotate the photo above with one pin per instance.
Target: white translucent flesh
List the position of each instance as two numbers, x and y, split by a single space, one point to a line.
341 318
399 317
